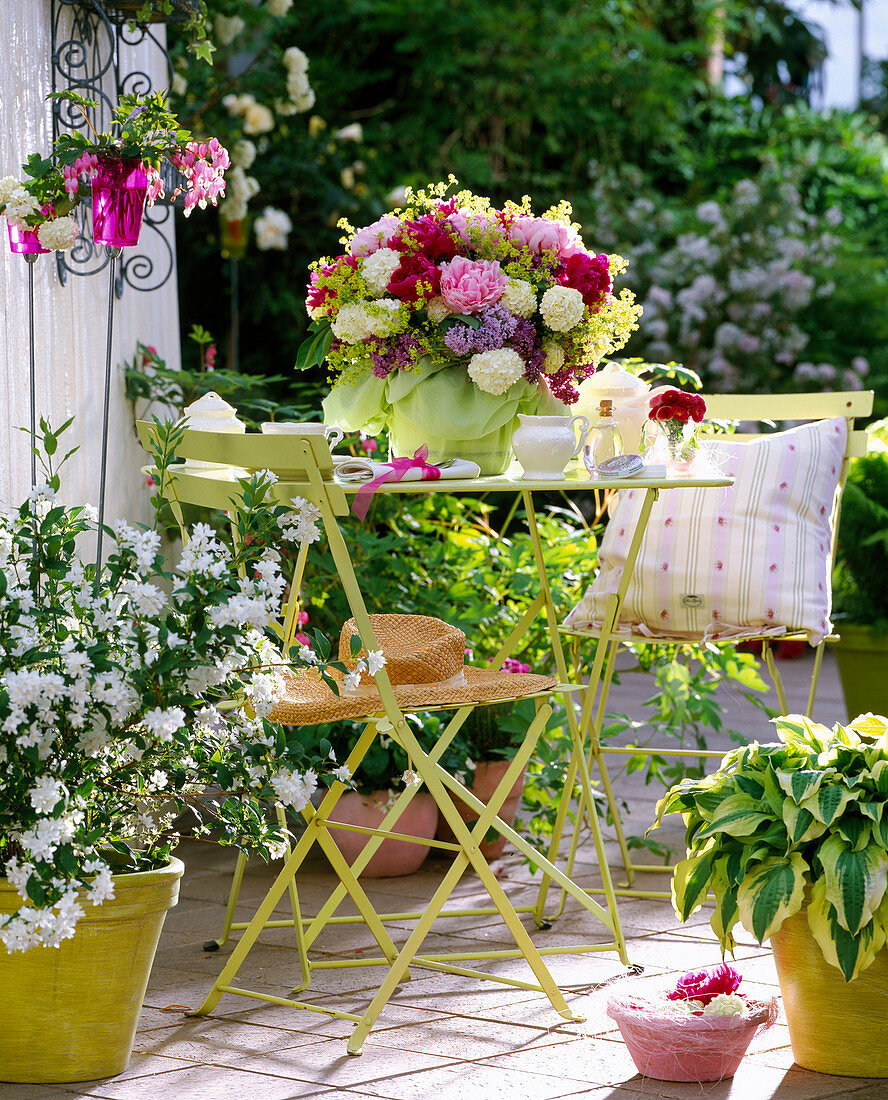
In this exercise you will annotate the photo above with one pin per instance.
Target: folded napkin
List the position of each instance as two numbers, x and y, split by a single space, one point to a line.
350 471
373 475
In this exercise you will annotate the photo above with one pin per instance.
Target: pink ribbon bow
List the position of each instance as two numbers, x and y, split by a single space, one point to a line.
399 467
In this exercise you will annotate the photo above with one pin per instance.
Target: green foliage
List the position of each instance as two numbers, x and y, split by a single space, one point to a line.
779 826
859 592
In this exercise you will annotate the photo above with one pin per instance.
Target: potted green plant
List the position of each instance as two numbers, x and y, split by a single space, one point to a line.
792 840
860 597
125 693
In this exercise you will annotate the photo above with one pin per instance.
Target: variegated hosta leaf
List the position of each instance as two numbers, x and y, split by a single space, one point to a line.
801 825
849 953
690 881
854 881
873 727
726 914
828 803
879 773
770 893
856 830
801 784
875 811
845 735
738 815
797 727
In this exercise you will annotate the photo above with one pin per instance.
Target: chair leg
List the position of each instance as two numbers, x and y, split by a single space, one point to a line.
777 679
815 678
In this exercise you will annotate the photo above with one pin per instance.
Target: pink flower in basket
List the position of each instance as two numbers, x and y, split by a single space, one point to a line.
698 1031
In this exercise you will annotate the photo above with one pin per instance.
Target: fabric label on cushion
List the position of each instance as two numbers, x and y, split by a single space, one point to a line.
747 559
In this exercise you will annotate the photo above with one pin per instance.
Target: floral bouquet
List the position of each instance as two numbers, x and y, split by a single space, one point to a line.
698 1031
674 410
443 320
39 205
125 696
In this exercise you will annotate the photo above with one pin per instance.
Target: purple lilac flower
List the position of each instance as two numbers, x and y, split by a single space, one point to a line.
497 329
398 353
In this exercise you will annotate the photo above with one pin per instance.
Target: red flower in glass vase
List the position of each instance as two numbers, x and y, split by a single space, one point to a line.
674 409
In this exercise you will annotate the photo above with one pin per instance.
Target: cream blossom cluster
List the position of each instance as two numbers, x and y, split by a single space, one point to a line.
279 8
378 268
495 371
562 308
300 94
301 525
257 118
226 28
722 1004
520 297
17 202
238 192
371 664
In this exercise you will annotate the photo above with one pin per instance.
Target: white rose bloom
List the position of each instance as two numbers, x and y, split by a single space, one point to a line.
379 267
354 132
272 229
258 119
352 324
495 371
295 60
243 153
562 308
59 234
279 7
519 297
227 28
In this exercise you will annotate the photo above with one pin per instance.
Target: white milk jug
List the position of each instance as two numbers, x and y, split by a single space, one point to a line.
545 444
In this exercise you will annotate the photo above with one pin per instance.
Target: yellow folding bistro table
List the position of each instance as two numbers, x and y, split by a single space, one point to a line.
305 470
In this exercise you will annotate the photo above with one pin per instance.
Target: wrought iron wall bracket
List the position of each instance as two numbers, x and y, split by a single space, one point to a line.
93 46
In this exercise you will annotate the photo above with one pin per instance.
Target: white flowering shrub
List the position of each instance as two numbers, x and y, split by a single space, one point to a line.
124 697
734 289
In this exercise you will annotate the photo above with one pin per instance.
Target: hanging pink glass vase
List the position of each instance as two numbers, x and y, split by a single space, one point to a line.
119 190
25 241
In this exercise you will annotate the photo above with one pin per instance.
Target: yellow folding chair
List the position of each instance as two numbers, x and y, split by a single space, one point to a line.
305 469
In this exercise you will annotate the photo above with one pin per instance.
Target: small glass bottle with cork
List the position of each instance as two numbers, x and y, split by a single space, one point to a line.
603 440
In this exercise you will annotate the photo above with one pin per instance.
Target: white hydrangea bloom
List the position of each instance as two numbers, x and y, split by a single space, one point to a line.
519 297
495 371
554 356
59 234
352 324
562 308
437 309
378 268
382 315
8 184
20 204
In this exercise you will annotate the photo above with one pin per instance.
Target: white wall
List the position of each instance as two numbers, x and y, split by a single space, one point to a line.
70 321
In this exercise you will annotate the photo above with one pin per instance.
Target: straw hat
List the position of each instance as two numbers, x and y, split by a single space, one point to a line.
425 662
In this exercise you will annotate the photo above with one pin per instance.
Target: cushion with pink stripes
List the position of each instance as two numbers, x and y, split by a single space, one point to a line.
750 559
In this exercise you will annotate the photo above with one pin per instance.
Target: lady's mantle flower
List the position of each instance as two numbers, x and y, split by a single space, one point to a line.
562 308
494 371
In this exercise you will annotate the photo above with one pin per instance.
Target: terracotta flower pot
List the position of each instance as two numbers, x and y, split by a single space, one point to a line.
70 1013
487 777
393 857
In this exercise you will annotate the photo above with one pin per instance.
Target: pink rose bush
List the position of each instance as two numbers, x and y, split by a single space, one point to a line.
501 295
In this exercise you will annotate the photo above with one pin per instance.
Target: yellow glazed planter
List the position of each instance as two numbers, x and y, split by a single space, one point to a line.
835 1026
70 1013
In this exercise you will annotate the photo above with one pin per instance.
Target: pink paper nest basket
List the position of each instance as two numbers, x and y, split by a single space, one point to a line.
669 1047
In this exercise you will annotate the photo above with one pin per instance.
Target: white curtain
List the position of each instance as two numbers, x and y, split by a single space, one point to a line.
70 322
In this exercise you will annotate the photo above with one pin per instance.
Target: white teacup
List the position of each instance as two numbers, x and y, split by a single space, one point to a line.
313 427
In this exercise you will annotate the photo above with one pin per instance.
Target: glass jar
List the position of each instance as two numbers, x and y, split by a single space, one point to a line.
603 440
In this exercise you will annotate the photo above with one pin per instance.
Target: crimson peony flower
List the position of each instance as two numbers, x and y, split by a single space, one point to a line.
590 275
412 271
434 242
703 985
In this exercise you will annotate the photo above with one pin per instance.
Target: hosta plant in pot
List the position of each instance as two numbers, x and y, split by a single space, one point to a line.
124 696
792 840
444 320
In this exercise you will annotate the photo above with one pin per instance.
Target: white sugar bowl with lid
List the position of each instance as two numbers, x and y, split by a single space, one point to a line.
629 395
545 444
212 413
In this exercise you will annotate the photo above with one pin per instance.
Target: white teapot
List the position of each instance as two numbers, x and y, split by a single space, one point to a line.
212 413
545 444
630 396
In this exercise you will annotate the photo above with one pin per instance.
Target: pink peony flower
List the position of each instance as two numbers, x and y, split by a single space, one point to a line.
590 275
468 286
373 237
543 235
703 985
415 280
